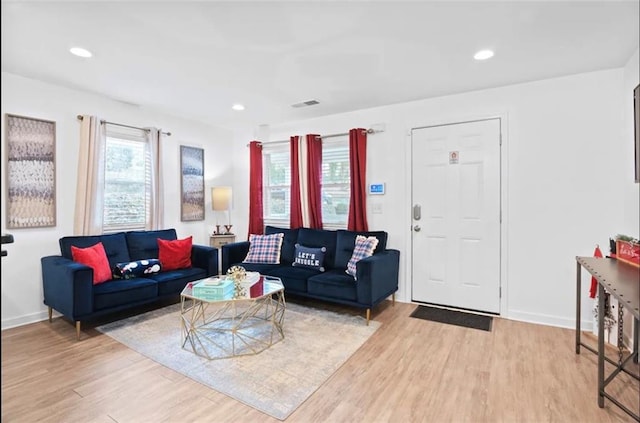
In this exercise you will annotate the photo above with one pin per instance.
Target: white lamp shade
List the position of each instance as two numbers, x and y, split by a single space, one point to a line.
221 198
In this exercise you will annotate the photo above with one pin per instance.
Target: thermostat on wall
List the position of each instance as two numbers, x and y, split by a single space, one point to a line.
376 189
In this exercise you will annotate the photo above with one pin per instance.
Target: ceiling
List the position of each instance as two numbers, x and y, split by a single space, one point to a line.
196 59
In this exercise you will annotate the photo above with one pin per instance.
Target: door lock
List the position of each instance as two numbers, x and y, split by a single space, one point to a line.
417 212
417 228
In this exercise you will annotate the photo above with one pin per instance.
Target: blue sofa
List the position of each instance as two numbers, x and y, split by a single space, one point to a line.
376 276
69 289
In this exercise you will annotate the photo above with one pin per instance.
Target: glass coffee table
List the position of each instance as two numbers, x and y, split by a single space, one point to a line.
233 324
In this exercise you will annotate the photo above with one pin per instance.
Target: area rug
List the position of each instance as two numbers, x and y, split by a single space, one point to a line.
453 317
276 381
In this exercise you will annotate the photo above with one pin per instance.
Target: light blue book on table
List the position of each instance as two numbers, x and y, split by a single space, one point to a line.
214 288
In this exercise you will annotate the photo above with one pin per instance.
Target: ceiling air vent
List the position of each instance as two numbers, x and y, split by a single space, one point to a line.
306 103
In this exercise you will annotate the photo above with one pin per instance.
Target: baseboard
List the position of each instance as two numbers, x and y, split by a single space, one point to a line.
627 341
27 319
523 316
592 340
549 320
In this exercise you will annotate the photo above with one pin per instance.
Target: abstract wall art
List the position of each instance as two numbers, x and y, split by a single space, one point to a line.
191 183
31 172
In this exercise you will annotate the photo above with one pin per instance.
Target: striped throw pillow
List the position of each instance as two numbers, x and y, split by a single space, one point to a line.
264 249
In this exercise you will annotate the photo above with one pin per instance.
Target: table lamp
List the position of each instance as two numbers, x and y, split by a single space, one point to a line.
221 202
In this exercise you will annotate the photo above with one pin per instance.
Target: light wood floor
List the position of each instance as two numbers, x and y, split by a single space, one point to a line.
411 370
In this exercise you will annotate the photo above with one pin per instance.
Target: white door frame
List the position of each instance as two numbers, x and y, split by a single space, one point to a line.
504 189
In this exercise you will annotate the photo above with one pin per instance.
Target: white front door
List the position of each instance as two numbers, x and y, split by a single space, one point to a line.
456 215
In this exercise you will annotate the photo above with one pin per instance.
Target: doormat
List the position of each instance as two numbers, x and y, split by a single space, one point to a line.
452 317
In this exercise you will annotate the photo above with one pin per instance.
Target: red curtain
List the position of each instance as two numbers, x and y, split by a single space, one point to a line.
256 219
358 171
295 215
314 178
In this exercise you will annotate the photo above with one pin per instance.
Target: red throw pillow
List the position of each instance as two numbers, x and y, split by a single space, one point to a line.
175 254
96 258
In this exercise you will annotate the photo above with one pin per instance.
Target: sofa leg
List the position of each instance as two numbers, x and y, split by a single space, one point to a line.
50 314
368 315
78 329
393 299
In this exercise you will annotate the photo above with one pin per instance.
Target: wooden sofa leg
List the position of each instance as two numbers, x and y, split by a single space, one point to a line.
368 315
78 329
393 299
50 314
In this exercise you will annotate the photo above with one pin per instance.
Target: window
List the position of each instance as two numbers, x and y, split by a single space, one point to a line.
335 184
276 190
127 185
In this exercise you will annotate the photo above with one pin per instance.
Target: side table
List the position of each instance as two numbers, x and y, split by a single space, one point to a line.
217 241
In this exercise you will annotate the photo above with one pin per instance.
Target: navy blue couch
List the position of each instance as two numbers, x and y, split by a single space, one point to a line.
376 276
69 289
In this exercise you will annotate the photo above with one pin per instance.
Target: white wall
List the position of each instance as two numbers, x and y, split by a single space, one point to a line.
631 200
567 175
21 269
565 186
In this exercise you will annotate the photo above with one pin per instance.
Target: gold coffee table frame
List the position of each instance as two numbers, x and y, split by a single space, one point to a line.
233 326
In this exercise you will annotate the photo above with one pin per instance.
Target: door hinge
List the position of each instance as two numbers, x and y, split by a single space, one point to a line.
500 293
500 216
500 138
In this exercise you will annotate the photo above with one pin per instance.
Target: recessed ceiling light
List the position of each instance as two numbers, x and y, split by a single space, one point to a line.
483 55
80 52
237 107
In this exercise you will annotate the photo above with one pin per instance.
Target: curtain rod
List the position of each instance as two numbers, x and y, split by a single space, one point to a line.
368 131
125 126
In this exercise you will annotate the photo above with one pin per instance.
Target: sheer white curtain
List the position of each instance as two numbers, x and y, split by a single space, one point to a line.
90 191
155 219
304 183
90 187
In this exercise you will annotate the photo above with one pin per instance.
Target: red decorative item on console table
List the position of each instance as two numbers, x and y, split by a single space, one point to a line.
628 252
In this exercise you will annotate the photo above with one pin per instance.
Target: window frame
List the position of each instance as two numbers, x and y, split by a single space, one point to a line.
268 150
267 186
126 136
343 143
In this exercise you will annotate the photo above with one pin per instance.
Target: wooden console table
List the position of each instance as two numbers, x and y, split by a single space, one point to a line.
622 281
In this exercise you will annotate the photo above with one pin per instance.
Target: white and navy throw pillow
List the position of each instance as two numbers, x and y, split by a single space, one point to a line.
312 258
135 269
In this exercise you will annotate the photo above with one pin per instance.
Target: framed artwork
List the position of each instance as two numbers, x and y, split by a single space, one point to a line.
31 172
191 183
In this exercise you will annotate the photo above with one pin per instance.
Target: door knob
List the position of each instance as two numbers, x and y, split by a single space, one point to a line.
417 228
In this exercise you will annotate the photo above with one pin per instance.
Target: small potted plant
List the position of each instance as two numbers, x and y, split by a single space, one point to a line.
628 249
